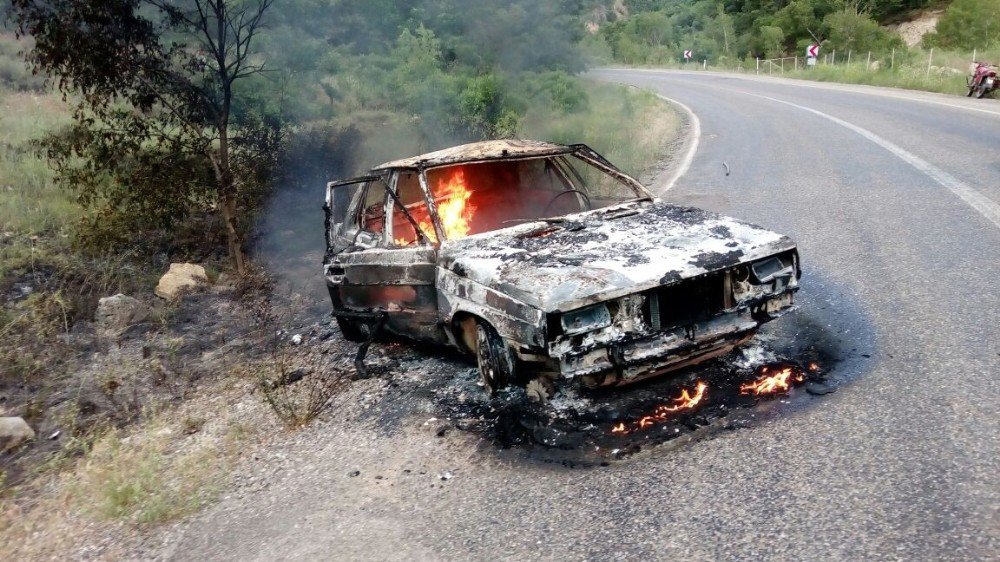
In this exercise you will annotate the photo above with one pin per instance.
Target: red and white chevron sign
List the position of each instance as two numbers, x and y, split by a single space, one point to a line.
813 50
688 55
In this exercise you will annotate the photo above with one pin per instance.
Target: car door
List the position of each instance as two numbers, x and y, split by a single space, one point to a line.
387 267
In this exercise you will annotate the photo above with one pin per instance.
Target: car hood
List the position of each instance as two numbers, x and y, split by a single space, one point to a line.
566 263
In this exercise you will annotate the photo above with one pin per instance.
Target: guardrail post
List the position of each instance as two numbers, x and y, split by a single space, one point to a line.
758 65
930 59
892 64
849 57
868 65
974 51
834 59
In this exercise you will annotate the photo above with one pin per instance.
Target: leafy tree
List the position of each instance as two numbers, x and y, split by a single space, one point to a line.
162 121
969 24
773 41
853 30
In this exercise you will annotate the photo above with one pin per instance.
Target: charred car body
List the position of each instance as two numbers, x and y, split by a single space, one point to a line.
544 261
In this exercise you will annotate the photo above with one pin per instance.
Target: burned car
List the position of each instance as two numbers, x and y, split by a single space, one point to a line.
546 262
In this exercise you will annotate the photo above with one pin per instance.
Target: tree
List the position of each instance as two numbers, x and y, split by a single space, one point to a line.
851 29
773 41
969 24
159 84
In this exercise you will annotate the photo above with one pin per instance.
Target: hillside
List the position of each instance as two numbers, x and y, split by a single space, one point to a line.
723 33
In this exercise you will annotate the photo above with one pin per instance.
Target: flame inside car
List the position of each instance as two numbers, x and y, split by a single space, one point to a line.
774 380
685 401
451 195
454 209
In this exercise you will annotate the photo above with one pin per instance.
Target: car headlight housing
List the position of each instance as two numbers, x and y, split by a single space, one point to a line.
585 319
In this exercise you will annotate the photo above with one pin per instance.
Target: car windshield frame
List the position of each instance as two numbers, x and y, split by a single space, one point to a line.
565 167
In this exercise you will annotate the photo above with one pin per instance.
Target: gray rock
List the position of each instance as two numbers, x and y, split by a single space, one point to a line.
13 432
118 312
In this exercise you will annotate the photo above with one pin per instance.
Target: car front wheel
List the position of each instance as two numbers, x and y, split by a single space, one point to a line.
496 362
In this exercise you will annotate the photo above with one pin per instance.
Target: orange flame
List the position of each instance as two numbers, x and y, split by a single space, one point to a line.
455 211
685 401
452 198
773 384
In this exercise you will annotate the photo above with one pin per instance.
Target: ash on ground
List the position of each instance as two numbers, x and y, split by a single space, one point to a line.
441 390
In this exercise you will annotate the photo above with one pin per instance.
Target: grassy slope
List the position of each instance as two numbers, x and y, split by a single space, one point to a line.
631 128
30 204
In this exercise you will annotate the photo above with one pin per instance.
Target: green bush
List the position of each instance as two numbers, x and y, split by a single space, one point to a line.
968 24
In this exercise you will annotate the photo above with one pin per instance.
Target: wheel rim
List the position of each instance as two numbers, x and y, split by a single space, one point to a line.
486 361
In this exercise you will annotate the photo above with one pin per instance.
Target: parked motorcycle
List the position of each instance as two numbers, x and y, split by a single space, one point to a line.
983 79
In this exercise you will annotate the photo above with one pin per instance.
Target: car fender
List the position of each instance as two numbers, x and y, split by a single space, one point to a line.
521 325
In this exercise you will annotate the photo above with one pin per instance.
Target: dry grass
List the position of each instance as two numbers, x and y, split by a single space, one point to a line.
631 128
298 388
161 470
30 202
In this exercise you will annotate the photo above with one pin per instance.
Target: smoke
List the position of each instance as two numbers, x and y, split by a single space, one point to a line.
361 82
290 238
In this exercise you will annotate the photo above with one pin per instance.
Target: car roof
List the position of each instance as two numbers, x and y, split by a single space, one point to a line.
480 151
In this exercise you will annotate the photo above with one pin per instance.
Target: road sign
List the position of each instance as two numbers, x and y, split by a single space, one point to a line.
688 55
812 51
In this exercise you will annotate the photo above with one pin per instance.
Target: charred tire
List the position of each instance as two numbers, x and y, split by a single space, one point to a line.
352 330
496 362
981 90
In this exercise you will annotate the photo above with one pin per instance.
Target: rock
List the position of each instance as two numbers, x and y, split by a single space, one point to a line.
819 388
120 311
354 473
13 432
876 65
179 277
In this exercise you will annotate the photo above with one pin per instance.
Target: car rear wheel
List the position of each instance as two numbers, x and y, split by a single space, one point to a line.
495 360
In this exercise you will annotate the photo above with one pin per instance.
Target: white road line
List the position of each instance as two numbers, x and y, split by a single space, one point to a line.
981 203
692 145
829 86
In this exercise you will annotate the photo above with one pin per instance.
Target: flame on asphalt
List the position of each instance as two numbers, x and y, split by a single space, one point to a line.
686 401
773 381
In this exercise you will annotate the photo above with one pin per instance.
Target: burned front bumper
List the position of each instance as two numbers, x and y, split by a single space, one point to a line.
631 358
639 338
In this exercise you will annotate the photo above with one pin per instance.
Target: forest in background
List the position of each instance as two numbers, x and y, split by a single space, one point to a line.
725 32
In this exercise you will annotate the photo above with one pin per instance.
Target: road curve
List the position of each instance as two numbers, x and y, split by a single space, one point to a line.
892 198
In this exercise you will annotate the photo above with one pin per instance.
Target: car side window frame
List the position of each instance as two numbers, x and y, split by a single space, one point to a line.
374 239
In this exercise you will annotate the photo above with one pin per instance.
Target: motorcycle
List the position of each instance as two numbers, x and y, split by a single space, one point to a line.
983 79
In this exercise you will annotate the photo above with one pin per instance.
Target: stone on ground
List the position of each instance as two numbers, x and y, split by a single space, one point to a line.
13 432
119 312
180 277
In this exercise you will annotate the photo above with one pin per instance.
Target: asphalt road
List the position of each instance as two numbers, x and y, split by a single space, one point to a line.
892 197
